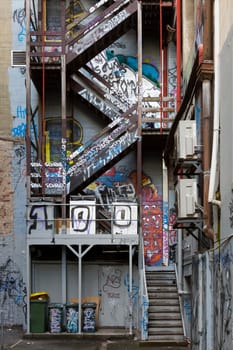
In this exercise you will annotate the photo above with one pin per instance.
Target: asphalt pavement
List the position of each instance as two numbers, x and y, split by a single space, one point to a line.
14 338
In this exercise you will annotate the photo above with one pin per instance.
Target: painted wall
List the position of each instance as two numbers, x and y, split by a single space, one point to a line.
12 152
226 125
203 329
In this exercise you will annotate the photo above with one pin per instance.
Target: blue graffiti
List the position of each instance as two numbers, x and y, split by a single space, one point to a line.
19 130
148 70
135 288
110 180
12 286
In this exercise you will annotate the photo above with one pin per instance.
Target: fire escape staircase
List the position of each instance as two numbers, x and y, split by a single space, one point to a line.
98 33
102 151
165 323
97 93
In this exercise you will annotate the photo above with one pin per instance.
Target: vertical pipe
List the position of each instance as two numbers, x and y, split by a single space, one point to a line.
179 259
63 274
178 55
165 78
206 116
214 160
28 99
28 284
165 215
80 288
63 140
161 62
139 131
130 291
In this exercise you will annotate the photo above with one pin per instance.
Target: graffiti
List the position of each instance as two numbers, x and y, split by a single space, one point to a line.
172 236
165 233
82 215
98 33
41 217
20 153
113 280
187 308
152 228
148 70
112 186
19 16
144 322
112 149
135 289
21 129
99 104
199 23
12 286
231 213
123 83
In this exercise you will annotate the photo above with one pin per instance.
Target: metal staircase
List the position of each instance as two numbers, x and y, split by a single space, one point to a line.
165 324
102 151
89 36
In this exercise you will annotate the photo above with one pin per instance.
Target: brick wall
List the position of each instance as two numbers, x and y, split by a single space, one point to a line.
6 191
5 46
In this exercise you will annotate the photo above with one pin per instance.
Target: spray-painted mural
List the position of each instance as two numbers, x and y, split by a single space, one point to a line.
12 292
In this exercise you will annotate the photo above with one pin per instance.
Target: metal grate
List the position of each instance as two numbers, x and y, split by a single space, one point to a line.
18 58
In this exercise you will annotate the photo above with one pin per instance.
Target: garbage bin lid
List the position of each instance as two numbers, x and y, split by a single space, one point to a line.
91 305
72 305
39 295
55 306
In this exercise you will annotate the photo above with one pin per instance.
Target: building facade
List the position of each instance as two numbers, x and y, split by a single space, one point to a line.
115 177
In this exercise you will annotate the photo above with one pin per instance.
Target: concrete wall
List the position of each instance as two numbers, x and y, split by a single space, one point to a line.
226 125
111 281
13 155
12 174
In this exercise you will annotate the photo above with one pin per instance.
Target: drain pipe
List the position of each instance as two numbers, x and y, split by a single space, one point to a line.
214 160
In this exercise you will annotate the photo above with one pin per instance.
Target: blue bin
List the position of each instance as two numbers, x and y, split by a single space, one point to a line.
72 316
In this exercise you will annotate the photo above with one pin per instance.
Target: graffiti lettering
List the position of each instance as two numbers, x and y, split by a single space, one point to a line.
41 218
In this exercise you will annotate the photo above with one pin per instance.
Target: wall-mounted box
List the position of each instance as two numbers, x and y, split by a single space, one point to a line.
124 218
82 217
186 198
186 139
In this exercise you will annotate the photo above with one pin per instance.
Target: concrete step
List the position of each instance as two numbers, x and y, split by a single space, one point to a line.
165 337
176 331
162 289
165 302
165 294
164 308
165 323
163 316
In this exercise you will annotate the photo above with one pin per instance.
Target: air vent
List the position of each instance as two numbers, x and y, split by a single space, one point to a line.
18 58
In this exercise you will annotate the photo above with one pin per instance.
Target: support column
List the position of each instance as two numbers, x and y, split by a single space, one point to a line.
206 118
130 291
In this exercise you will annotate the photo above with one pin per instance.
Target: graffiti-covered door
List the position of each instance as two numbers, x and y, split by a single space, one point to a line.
114 296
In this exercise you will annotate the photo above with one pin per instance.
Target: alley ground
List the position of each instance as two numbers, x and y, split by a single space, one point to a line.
14 338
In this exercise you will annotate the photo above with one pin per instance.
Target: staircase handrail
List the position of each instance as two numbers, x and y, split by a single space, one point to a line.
144 296
102 90
111 10
127 117
110 141
180 302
